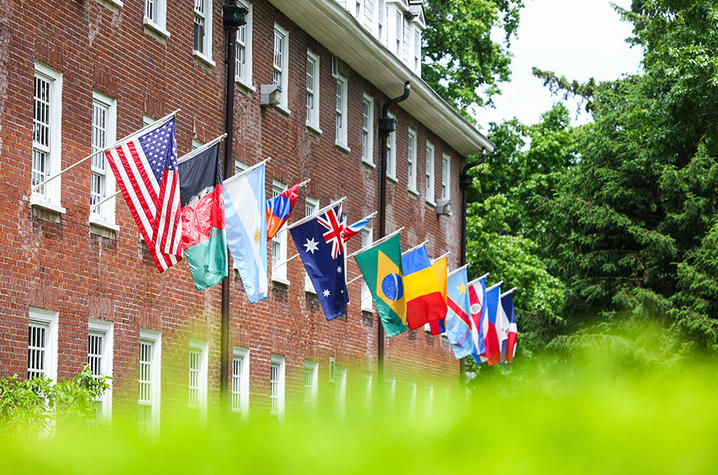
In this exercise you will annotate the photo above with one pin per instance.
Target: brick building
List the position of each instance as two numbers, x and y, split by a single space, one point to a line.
78 285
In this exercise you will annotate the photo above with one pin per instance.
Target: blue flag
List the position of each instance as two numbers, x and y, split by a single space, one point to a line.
321 248
458 324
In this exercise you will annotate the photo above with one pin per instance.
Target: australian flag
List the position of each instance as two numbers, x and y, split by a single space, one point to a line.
321 248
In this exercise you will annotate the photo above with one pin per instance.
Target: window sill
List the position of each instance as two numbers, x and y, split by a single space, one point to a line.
392 178
156 30
413 192
307 290
245 85
280 280
96 220
203 60
283 109
112 5
43 204
367 309
342 148
431 203
315 131
368 163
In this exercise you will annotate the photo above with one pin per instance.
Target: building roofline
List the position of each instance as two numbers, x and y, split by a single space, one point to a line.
338 31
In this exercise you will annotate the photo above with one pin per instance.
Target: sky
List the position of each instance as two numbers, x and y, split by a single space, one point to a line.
579 39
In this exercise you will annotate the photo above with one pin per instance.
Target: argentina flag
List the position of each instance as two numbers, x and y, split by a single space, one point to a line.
246 218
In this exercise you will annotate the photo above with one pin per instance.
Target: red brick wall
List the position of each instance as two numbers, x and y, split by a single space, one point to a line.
63 267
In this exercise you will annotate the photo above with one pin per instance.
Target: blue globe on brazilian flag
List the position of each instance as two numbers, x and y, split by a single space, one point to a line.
381 267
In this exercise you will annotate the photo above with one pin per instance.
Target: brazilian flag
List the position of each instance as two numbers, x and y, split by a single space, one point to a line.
381 267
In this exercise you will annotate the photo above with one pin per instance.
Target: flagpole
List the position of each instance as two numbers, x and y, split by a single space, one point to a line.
508 292
355 279
446 254
457 270
495 285
320 212
183 159
133 134
478 278
376 243
244 172
414 248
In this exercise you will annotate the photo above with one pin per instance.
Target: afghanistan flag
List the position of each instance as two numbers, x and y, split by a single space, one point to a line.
381 267
203 231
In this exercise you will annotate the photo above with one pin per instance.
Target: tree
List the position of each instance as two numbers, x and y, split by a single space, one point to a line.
461 61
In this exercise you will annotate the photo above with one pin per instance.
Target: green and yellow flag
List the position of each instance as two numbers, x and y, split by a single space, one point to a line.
381 267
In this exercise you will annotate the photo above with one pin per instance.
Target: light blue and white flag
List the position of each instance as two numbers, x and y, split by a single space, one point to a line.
458 323
246 218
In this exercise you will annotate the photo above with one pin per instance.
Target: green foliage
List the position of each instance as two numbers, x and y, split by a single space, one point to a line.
461 61
38 402
616 403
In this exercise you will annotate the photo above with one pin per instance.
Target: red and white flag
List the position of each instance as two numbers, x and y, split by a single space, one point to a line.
145 167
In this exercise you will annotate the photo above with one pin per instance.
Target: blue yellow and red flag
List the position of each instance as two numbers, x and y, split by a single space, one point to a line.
424 301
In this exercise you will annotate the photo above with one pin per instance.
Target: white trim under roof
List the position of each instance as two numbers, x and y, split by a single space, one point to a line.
336 29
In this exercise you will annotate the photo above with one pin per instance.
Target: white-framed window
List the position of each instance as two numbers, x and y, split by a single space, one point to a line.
243 73
312 87
46 134
367 130
102 180
383 14
156 16
100 343
429 173
368 19
149 380
240 381
417 51
311 384
340 391
445 176
358 9
398 33
279 243
341 111
203 29
42 344
311 206
280 64
411 403
197 370
367 304
277 386
367 391
391 152
411 161
406 32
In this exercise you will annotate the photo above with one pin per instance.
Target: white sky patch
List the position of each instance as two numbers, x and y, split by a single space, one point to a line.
578 39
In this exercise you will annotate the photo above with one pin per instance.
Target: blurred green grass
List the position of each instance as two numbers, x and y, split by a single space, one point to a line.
604 407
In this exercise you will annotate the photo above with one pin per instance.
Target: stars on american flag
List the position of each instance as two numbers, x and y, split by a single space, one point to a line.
160 148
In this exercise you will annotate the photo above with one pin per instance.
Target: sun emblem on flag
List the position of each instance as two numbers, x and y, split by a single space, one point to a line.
334 222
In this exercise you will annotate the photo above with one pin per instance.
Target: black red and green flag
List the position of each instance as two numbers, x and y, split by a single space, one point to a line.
203 229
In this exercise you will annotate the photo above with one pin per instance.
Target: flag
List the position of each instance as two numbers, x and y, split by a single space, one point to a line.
502 328
203 235
458 321
477 297
247 230
145 168
491 336
278 210
507 303
439 266
381 268
353 229
321 248
424 301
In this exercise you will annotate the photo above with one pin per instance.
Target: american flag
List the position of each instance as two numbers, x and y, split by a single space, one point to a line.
145 167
